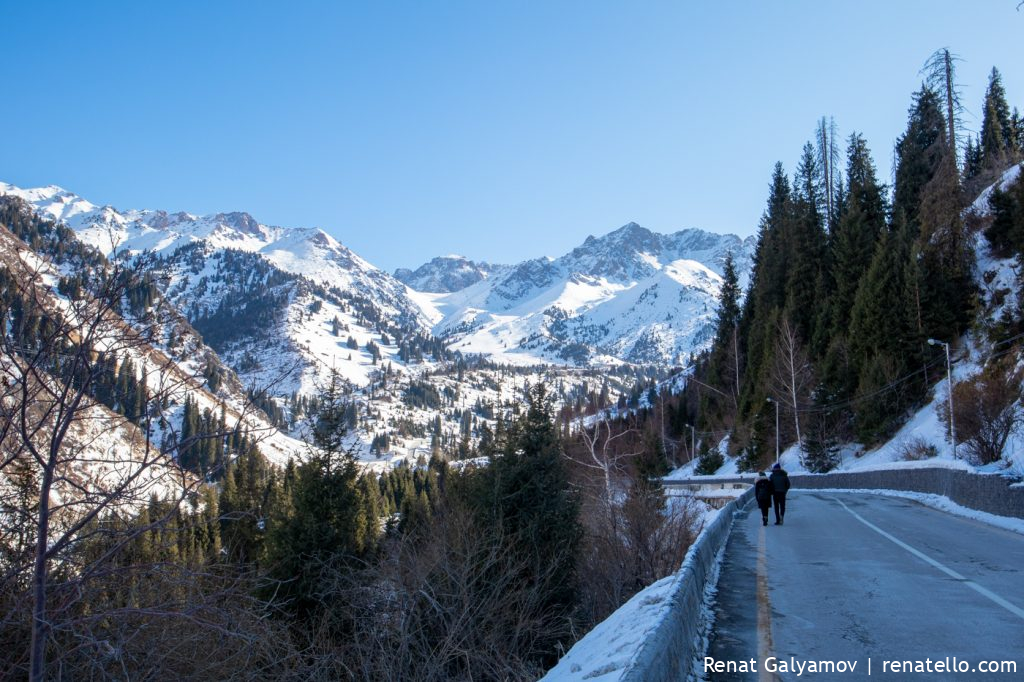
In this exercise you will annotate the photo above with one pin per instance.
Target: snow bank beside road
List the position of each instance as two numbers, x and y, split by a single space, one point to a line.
656 634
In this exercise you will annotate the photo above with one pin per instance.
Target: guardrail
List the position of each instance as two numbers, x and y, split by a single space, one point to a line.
990 493
671 649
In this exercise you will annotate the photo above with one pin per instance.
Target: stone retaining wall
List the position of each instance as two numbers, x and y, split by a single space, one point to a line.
984 492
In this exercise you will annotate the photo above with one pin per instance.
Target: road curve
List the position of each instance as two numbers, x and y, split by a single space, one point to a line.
867 578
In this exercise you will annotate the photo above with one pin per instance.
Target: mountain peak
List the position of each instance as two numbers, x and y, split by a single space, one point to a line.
239 220
444 274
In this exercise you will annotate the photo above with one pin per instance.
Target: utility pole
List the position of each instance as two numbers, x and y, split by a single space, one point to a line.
693 441
949 380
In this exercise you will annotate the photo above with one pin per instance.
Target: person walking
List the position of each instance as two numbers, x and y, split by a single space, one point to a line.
780 485
763 495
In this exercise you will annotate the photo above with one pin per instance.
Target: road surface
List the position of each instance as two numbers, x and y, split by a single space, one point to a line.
868 579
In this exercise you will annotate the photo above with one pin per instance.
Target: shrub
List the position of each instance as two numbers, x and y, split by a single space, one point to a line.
915 449
987 409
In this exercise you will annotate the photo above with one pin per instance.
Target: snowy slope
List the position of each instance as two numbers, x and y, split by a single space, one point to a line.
630 296
286 307
308 252
166 351
291 352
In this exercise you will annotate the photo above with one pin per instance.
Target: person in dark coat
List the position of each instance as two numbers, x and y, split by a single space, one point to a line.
763 495
780 485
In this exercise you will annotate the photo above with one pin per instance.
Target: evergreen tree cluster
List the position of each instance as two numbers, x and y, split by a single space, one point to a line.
324 534
846 291
1001 140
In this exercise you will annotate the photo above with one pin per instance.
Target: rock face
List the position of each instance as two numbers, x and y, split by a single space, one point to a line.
445 274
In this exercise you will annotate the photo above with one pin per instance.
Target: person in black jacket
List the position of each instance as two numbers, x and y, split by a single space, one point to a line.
763 495
780 485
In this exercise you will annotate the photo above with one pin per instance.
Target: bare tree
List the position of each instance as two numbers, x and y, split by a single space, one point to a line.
829 160
449 608
633 536
792 376
607 454
75 474
940 75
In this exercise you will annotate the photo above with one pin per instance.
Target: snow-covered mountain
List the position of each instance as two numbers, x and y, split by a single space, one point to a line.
309 252
632 295
283 306
166 354
446 274
286 307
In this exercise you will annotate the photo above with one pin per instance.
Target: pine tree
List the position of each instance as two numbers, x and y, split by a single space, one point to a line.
997 133
188 452
854 239
728 314
805 249
1006 233
972 159
878 320
928 195
882 333
527 499
767 292
940 74
821 448
830 180
327 526
1017 123
920 151
247 497
724 363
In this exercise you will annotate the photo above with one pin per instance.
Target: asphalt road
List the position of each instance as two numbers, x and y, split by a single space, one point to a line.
868 579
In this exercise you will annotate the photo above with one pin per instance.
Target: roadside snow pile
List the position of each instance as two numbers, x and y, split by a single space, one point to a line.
608 651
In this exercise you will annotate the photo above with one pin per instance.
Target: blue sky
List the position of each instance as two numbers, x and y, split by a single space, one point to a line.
499 130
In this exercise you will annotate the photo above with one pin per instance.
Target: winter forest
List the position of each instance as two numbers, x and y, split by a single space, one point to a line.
206 553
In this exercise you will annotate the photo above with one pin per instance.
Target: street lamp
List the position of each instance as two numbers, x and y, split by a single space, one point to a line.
949 380
776 428
693 441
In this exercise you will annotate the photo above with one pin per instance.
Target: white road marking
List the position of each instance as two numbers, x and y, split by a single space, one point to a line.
985 592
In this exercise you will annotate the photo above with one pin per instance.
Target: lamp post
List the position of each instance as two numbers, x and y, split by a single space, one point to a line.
693 441
776 402
949 380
